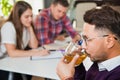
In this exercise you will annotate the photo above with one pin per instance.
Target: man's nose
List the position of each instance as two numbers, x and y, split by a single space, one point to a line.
83 44
61 14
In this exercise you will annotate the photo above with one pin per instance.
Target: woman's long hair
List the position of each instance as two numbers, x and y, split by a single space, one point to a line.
19 8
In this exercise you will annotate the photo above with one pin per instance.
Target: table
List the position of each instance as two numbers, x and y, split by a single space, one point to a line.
43 68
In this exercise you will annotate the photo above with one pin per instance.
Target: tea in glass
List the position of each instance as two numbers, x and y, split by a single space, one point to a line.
71 51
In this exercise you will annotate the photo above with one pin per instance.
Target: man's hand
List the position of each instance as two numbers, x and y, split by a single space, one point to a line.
60 37
76 38
66 70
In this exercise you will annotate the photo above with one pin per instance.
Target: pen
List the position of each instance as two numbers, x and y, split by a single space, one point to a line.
46 49
43 47
57 50
52 50
49 50
62 51
80 42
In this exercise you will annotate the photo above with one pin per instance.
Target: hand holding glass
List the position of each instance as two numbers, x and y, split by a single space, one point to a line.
71 50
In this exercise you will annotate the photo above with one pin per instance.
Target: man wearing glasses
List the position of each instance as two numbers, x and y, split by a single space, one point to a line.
101 40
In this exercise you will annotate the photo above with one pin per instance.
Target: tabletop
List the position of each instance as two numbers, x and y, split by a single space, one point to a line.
42 68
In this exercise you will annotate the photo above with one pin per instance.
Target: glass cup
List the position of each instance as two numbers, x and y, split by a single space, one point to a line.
71 50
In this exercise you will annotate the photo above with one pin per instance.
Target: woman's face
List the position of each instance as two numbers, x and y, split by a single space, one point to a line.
26 18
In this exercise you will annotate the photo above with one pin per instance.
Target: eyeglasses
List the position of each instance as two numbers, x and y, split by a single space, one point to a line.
86 40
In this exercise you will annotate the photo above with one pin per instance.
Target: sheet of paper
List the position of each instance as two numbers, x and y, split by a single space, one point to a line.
58 45
55 46
52 55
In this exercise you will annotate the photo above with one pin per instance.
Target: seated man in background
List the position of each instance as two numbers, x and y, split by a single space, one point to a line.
52 21
101 28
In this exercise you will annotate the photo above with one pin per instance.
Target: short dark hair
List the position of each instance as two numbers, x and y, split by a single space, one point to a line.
61 2
104 18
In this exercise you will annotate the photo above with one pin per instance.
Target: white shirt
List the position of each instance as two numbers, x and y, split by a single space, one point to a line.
109 64
8 35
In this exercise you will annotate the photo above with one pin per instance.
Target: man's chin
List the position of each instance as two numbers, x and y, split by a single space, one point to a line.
92 59
56 19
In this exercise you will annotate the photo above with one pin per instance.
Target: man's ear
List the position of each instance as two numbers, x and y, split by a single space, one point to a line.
52 5
110 41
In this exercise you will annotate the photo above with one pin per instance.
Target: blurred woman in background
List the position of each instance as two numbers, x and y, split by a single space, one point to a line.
17 33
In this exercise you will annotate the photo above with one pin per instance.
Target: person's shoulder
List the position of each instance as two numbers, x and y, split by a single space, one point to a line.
65 17
116 70
7 25
114 74
44 12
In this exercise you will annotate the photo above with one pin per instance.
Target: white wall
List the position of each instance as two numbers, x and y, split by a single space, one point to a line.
79 12
36 4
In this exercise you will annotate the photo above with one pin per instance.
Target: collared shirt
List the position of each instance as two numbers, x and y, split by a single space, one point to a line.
47 29
109 64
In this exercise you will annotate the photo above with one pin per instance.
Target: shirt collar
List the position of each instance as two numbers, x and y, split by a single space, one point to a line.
109 64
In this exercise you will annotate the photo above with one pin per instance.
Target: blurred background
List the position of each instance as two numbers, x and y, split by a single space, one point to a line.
75 11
